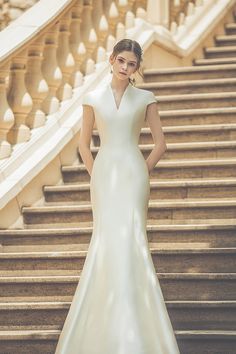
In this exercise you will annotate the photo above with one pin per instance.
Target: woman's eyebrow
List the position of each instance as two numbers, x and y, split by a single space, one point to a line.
131 61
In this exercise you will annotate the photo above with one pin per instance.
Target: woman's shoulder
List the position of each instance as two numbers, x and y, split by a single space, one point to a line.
146 94
90 97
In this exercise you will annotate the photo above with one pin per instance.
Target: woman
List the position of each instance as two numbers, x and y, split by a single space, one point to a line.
118 307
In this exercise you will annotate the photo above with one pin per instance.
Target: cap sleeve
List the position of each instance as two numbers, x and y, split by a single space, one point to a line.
87 99
151 98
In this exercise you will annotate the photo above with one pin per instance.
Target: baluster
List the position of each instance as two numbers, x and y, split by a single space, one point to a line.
36 84
19 99
77 46
139 4
88 33
123 7
51 71
65 58
112 15
6 114
120 31
100 22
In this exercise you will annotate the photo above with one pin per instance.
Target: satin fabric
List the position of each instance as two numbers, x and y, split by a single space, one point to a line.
118 306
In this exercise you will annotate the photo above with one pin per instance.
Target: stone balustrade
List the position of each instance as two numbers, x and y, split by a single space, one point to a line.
46 53
47 56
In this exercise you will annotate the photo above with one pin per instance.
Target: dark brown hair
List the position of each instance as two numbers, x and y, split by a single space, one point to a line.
129 45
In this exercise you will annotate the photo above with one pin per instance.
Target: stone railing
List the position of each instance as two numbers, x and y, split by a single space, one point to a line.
46 53
12 9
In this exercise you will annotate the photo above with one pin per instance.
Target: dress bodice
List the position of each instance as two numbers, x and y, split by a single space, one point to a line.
119 126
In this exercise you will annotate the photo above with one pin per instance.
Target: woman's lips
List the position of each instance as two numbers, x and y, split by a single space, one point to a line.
123 73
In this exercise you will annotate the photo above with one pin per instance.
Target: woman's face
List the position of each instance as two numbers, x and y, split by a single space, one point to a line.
124 64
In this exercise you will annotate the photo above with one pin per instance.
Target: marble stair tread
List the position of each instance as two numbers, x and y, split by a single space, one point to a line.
204 334
81 254
215 61
50 279
29 334
198 111
54 334
192 202
174 163
226 181
196 96
151 224
50 305
188 128
188 69
171 203
186 145
230 26
183 83
223 49
225 37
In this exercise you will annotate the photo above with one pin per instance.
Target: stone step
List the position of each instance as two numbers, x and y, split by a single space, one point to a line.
29 341
207 342
157 209
190 342
226 40
192 133
169 169
159 189
175 287
220 52
190 86
165 259
192 150
202 116
190 73
203 100
203 233
194 315
230 28
215 61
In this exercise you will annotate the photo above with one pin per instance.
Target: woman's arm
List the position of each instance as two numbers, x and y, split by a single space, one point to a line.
154 122
85 137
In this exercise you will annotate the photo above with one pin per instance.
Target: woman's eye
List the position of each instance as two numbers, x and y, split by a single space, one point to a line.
131 64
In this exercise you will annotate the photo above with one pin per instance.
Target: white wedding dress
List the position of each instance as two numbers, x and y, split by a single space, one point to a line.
118 307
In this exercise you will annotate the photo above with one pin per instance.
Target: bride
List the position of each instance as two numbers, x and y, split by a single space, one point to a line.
118 306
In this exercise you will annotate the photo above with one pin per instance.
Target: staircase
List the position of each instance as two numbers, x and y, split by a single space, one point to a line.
191 220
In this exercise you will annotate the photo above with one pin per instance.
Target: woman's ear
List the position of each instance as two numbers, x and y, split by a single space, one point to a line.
111 59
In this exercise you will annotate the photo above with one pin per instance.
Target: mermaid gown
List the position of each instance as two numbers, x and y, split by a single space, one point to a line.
118 306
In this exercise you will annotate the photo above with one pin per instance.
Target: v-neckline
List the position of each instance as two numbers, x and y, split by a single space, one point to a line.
125 91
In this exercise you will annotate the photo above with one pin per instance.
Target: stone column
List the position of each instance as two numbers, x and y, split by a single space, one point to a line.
6 114
158 12
51 71
19 99
65 58
36 84
77 46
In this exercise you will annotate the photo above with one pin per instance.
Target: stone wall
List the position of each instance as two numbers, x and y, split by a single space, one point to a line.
12 9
